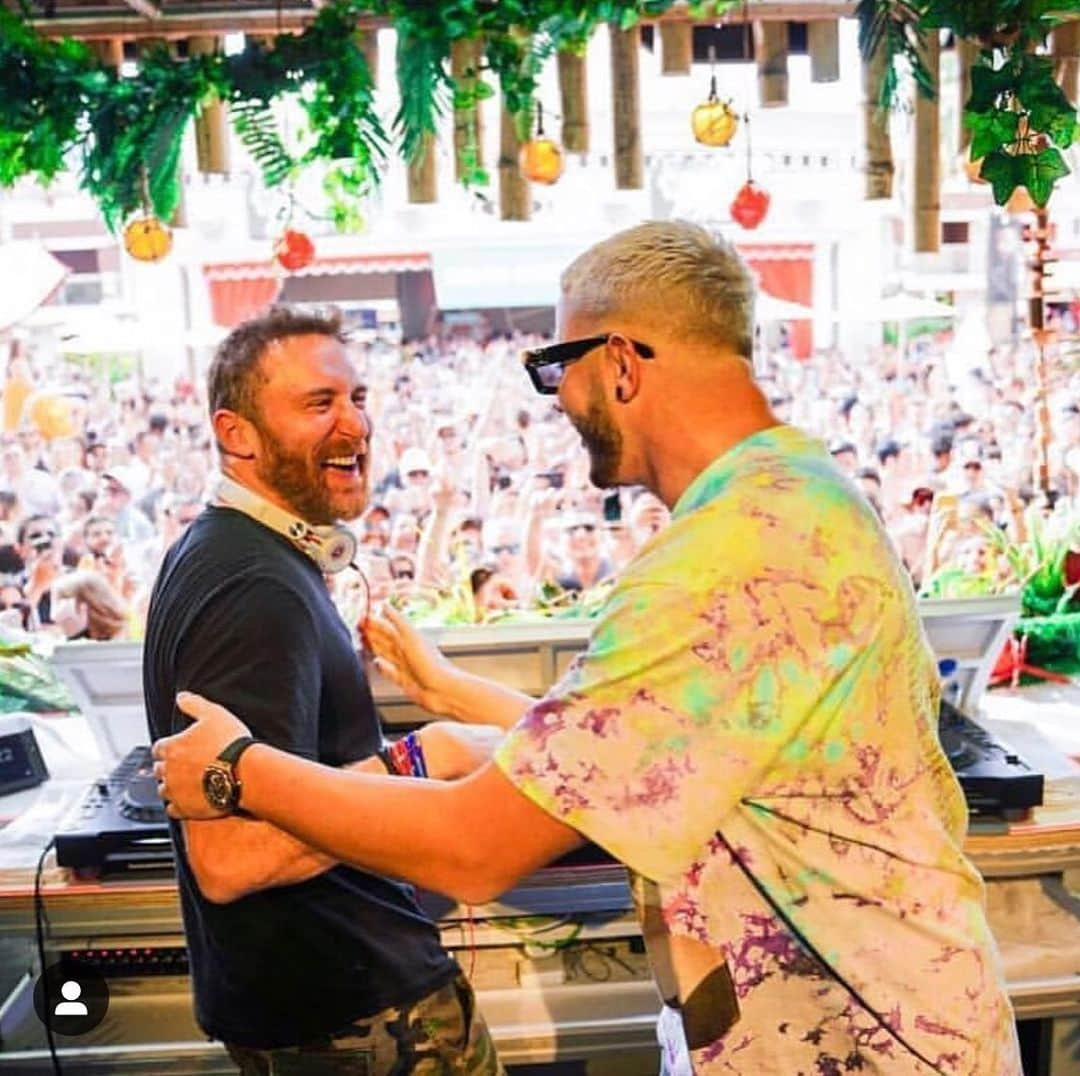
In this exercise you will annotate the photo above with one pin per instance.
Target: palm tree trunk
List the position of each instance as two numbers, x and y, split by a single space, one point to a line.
879 157
927 164
626 107
966 52
368 43
212 122
771 50
1066 45
423 177
468 122
110 51
573 93
676 47
823 44
515 194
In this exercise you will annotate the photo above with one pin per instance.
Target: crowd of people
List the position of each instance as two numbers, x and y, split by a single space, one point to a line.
481 502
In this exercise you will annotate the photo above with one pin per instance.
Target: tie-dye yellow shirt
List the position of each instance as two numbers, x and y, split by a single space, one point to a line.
752 731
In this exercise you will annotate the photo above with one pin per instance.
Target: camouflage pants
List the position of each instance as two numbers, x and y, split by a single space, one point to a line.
442 1034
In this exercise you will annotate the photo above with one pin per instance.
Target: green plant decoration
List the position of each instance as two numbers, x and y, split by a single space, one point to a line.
1020 119
59 105
44 88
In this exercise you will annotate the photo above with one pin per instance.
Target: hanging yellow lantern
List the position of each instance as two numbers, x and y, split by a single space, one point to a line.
540 159
714 121
147 239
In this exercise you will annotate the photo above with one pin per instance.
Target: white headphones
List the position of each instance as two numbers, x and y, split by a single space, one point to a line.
332 548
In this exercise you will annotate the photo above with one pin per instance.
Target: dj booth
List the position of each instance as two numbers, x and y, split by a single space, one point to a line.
557 962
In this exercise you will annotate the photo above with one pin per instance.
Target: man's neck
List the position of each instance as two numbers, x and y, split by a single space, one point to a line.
252 484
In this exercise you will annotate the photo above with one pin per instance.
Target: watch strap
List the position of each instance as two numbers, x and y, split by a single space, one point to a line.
231 754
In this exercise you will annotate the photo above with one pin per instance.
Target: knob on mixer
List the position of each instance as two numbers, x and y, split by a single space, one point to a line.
139 800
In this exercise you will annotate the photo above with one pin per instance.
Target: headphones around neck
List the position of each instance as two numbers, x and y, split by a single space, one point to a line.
332 547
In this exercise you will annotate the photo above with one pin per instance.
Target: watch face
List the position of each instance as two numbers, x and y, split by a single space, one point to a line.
219 788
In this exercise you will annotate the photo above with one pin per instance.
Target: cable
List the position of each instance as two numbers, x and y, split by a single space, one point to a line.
39 930
813 950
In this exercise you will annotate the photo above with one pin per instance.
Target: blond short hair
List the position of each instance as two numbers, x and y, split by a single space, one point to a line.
693 280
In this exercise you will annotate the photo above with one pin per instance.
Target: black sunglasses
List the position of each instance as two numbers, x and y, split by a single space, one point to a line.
547 365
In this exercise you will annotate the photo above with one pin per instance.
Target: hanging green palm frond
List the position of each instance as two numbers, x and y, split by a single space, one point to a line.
140 128
425 87
44 90
257 129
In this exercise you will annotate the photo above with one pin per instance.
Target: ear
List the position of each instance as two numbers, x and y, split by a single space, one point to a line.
235 435
626 367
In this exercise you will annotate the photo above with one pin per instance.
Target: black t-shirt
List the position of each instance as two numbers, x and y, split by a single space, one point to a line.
242 617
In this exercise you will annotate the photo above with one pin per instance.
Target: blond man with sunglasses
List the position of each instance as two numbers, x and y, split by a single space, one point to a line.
752 729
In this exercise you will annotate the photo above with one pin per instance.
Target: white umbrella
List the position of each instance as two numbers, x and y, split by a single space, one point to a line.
770 308
88 329
899 307
30 275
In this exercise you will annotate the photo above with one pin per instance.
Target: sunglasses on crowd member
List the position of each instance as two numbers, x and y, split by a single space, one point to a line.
40 539
509 549
546 366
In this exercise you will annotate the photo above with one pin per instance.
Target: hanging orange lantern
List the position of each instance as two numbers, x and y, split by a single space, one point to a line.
540 159
294 250
147 239
714 122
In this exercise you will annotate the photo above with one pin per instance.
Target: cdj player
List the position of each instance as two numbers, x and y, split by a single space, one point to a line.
119 825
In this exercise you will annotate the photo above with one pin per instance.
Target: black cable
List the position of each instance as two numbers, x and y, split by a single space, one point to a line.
39 929
812 949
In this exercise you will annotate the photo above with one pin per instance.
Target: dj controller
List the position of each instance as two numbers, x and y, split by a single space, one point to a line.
120 825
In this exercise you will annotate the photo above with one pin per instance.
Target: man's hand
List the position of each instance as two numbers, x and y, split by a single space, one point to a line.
182 759
407 660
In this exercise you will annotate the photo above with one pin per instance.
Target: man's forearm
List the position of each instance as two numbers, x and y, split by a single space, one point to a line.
399 826
476 701
234 857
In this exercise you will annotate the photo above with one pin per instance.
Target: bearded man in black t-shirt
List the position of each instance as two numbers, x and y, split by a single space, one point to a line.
299 963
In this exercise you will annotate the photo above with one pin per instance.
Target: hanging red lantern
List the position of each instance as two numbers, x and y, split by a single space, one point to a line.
147 239
540 159
751 205
294 250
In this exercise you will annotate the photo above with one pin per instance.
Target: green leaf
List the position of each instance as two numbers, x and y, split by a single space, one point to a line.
1001 171
987 85
991 130
1039 172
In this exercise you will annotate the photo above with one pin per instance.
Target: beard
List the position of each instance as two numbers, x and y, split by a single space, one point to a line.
602 440
302 483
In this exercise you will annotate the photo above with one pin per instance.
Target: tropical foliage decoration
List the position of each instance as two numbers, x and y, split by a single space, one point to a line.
61 106
1020 119
1044 566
